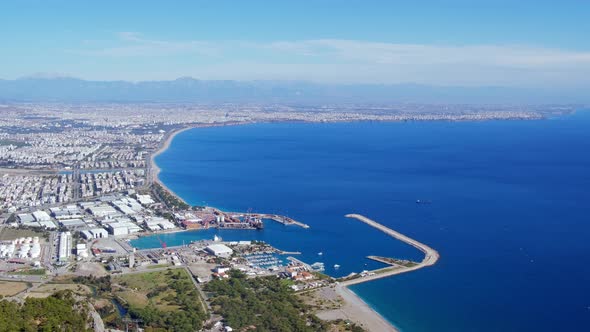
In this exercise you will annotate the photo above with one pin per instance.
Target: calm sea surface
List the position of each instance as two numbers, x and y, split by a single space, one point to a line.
509 212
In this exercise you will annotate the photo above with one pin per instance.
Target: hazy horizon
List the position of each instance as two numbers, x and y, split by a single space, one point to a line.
526 45
44 88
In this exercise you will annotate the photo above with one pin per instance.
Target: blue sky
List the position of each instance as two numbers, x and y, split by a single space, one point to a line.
468 43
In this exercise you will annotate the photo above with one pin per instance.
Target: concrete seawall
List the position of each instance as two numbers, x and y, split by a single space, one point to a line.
431 256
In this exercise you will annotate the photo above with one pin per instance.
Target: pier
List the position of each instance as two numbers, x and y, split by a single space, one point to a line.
284 220
275 217
297 261
431 256
392 261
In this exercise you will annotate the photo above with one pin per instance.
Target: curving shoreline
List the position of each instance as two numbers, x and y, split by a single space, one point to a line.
356 308
154 169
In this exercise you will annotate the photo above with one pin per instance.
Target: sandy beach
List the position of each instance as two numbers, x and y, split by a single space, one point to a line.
354 309
155 170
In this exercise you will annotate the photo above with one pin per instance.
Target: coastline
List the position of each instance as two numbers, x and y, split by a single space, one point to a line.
155 169
355 308
360 310
363 313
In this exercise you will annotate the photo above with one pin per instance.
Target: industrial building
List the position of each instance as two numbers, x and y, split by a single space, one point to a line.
103 210
219 250
94 233
72 223
41 216
122 227
81 250
158 223
64 246
67 212
128 205
145 199
25 218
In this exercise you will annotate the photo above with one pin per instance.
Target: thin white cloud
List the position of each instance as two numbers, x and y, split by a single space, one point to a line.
358 61
132 44
401 54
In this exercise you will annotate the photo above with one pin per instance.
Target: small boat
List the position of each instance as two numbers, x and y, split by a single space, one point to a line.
336 266
317 266
320 253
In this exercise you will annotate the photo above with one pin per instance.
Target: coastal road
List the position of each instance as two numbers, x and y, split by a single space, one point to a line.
431 256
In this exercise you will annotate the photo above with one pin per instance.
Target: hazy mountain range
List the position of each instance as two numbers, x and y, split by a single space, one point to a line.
65 89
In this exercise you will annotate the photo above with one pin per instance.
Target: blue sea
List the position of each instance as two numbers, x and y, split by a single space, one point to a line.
509 210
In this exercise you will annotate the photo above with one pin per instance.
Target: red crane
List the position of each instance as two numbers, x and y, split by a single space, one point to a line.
162 243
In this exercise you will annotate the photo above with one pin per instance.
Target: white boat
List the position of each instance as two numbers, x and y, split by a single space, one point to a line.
336 266
317 266
320 253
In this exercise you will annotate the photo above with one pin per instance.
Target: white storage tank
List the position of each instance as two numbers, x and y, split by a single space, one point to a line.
35 250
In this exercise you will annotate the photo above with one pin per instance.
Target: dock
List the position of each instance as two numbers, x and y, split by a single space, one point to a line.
283 220
295 260
275 217
289 252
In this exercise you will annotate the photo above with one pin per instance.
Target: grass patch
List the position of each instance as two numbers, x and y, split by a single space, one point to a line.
132 298
341 325
10 288
51 288
141 289
30 272
384 270
162 299
7 233
287 282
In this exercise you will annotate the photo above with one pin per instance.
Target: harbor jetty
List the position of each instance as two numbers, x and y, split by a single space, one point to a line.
275 217
283 220
431 256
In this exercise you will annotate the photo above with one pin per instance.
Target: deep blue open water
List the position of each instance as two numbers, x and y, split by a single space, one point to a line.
510 211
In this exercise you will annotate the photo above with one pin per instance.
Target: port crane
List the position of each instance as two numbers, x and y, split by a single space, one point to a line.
162 243
248 216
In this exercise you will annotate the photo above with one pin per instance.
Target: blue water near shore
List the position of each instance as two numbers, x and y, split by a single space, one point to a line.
510 211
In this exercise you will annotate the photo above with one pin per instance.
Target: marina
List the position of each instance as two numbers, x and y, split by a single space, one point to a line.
265 261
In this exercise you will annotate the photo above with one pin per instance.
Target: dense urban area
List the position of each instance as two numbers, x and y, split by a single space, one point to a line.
78 181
